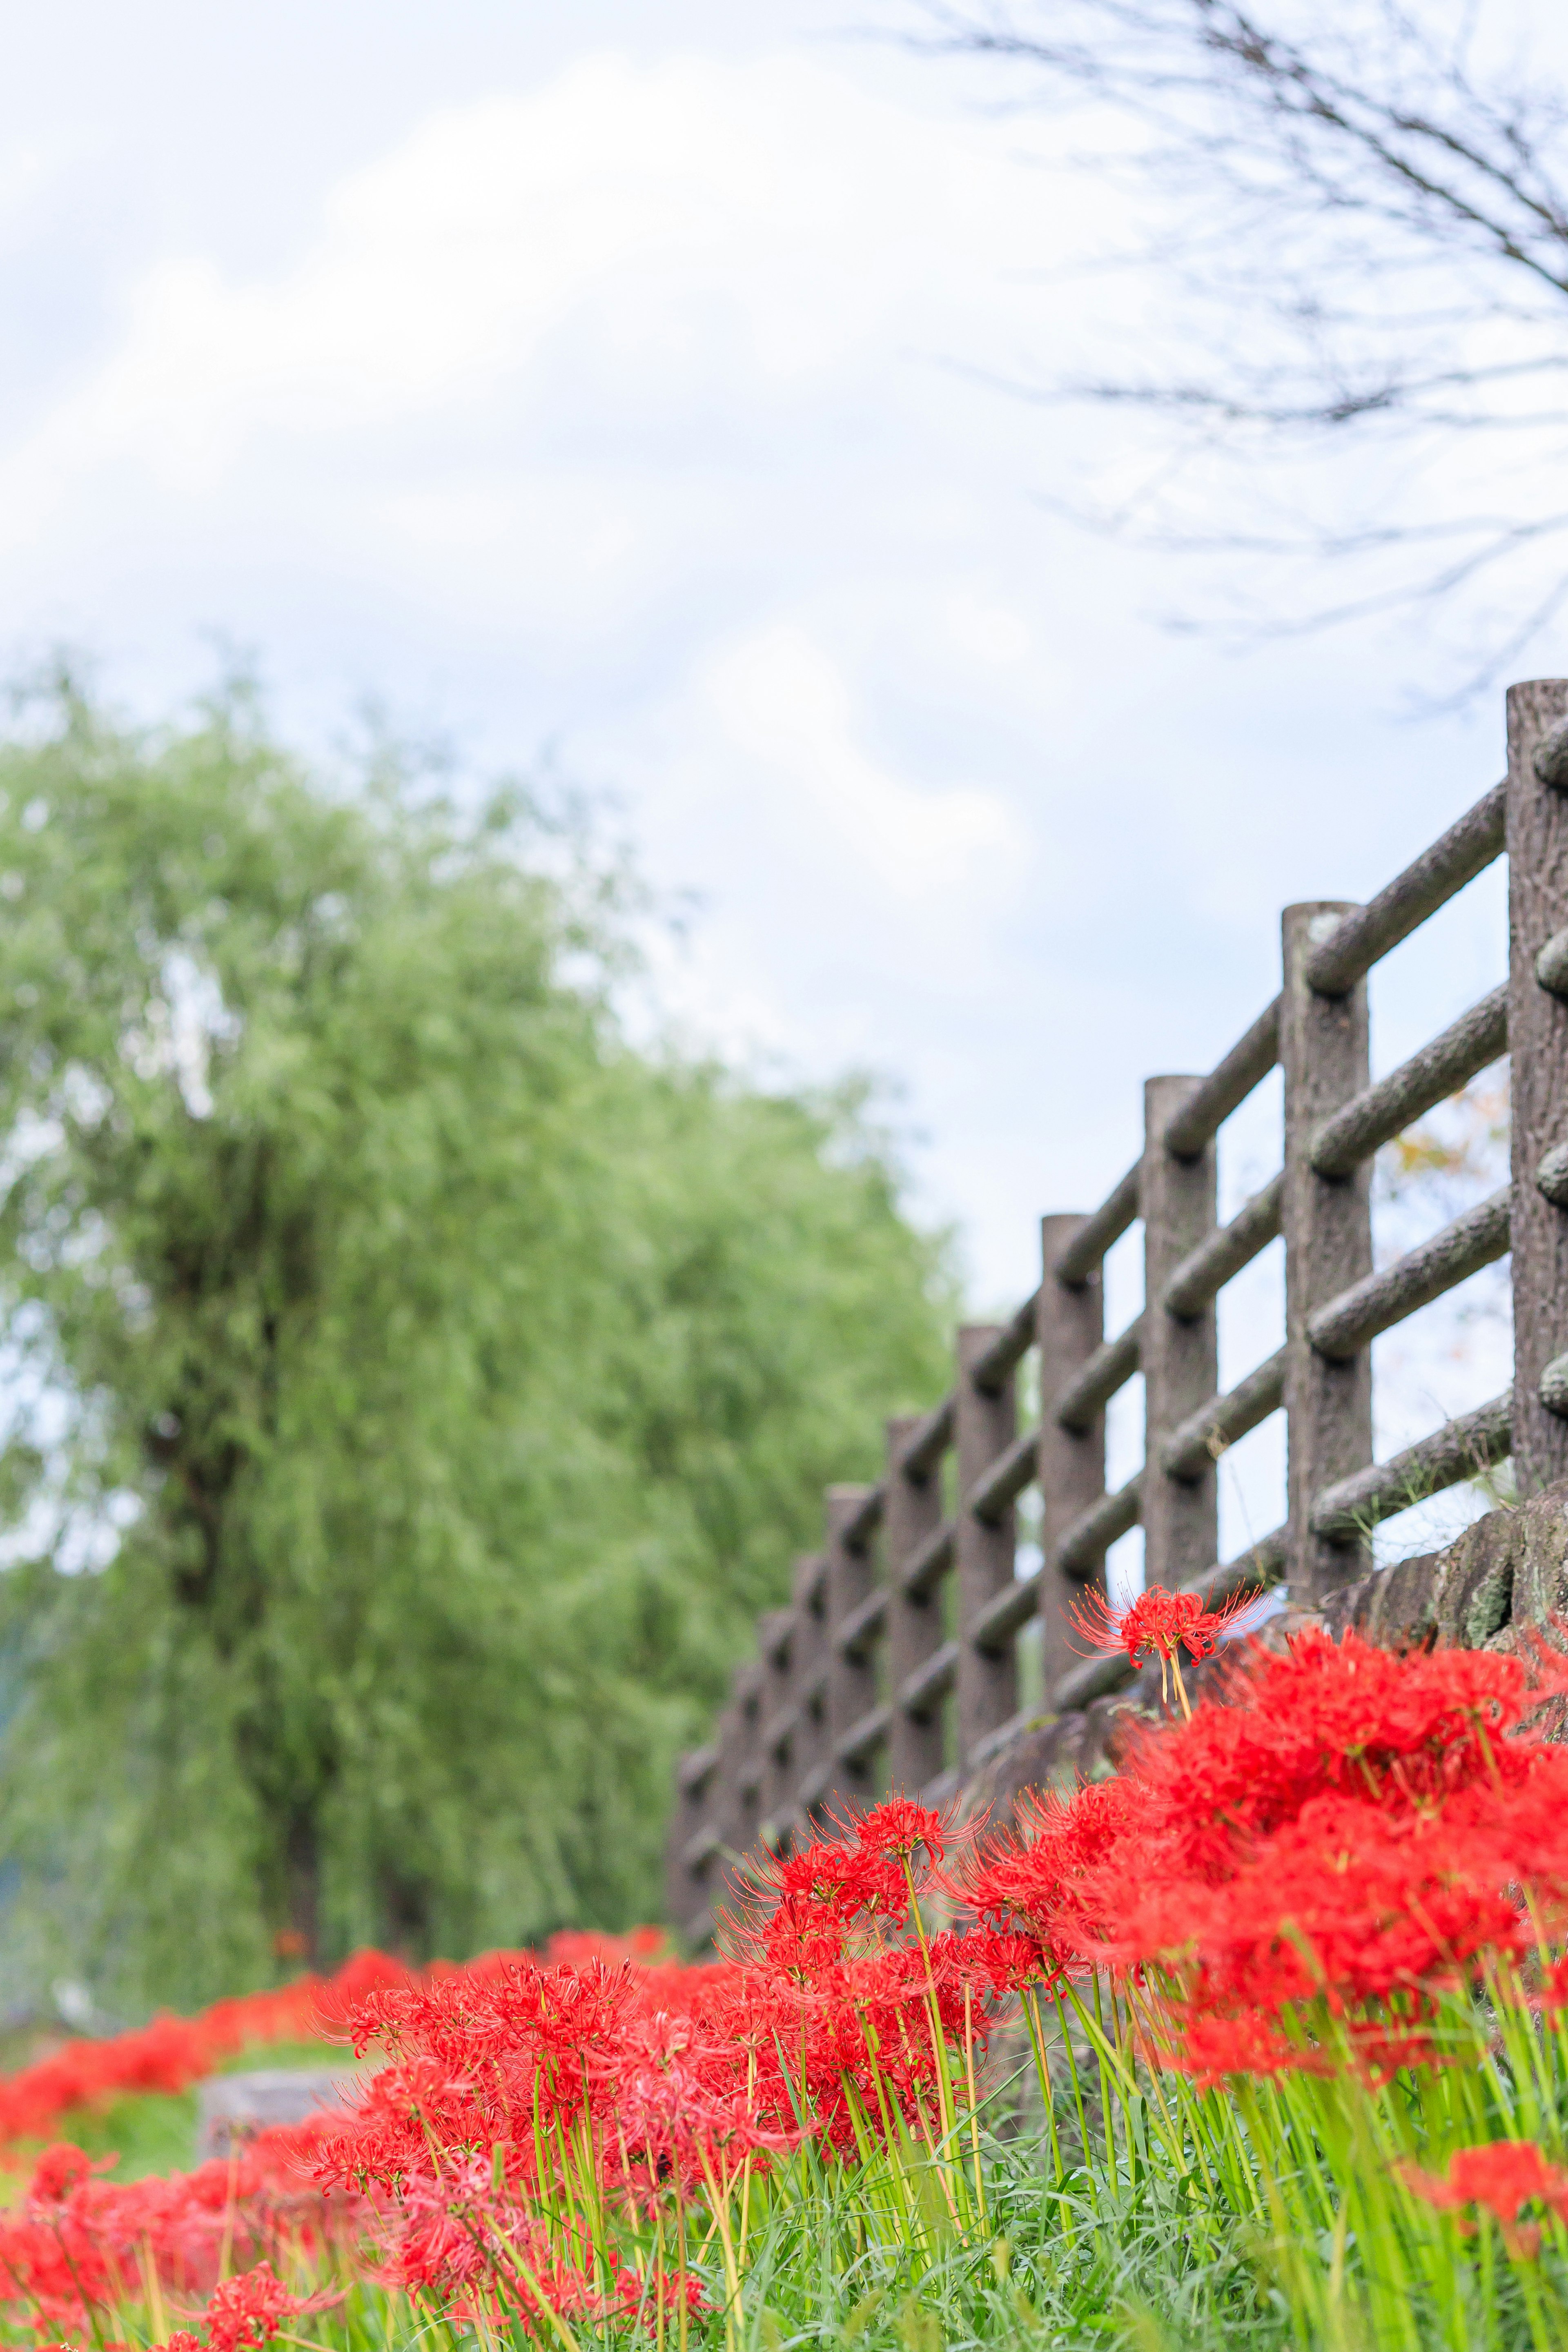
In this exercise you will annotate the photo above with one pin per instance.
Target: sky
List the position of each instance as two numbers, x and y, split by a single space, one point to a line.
620 387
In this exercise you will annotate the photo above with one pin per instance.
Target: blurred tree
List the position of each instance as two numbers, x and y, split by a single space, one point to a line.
414 1391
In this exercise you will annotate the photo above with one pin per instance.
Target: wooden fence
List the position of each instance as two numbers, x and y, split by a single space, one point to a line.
875 1675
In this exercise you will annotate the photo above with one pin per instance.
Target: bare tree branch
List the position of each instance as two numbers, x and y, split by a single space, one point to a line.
1366 231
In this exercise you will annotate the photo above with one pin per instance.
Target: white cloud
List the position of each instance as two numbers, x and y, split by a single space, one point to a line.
989 630
769 213
785 704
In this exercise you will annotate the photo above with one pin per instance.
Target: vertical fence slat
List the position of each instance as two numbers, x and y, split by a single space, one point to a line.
777 1641
851 1682
1180 1355
1538 1051
713 1875
808 1651
685 1888
1327 1223
736 1811
911 1513
983 1552
1069 1325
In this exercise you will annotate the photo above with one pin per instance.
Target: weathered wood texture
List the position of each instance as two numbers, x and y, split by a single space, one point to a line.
1209 1103
1069 1324
1479 1237
1354 1133
1221 1258
851 1676
1427 883
1011 1345
1220 1421
912 1514
1083 1395
1085 1543
1551 965
807 1677
739 1775
1327 1222
1098 1233
1463 1448
1538 1047
1179 1353
776 1643
684 1893
1006 1478
984 1548
928 1439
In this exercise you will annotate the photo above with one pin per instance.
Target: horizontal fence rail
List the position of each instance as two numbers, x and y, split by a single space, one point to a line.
896 1662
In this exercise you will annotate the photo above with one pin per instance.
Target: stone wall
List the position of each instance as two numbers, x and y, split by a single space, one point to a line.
1505 1577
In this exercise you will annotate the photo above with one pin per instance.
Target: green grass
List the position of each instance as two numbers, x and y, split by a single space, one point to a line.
1137 2256
1257 2219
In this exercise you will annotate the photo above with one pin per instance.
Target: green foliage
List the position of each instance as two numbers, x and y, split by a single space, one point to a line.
416 1390
153 2133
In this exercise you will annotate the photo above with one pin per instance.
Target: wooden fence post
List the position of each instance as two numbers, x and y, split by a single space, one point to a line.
808 1695
1069 1325
738 1776
851 1678
911 1513
984 1551
684 1883
1538 1051
775 1638
1327 1225
1179 1354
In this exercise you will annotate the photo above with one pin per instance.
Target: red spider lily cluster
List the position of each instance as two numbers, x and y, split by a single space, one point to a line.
1303 1877
172 2052
1502 2178
77 2244
1295 1880
836 2019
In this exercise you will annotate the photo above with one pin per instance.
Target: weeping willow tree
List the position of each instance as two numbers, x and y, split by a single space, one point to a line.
413 1391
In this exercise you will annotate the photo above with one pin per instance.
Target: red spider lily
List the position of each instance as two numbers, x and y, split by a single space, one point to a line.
1398 1734
667 2084
60 2169
1347 1901
903 1829
636 2293
77 2241
1211 2047
172 2052
807 1903
683 2110
246 2312
650 2084
1159 1624
993 1961
1553 1994
1503 2177
1046 1883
